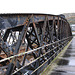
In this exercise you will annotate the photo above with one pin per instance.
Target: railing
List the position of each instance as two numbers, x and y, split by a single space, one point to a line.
29 47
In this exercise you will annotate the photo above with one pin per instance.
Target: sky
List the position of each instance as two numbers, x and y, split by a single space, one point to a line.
55 7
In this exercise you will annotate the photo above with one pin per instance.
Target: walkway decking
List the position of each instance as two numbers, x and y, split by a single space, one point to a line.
66 64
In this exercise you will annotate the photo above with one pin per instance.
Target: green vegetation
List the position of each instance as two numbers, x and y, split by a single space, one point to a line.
70 17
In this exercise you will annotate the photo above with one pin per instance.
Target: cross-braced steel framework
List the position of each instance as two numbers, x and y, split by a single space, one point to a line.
29 42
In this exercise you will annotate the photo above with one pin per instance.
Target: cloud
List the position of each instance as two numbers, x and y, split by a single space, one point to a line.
37 6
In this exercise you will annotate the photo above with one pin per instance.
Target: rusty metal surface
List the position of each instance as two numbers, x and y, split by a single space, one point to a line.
29 42
13 20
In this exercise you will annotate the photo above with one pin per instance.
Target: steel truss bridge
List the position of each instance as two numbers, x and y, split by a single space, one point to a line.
29 42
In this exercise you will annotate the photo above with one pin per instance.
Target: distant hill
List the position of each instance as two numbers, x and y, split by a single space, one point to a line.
70 17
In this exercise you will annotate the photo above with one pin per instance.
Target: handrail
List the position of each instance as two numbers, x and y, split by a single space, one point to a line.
20 54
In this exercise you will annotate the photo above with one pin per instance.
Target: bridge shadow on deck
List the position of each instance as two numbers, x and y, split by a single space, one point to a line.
66 64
